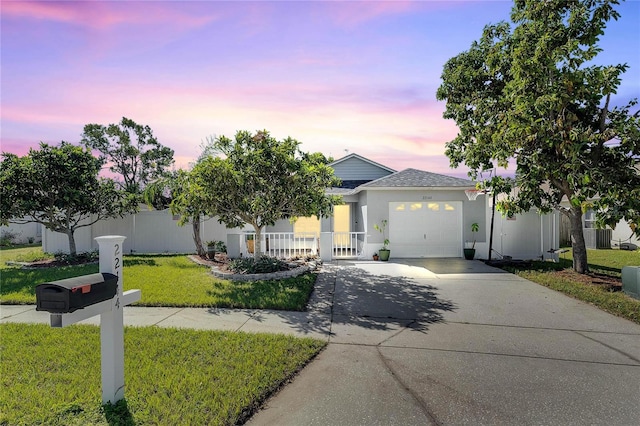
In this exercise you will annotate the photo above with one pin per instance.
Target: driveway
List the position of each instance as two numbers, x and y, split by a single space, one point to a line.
449 341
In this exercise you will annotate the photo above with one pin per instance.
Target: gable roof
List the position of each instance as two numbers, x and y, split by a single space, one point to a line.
413 178
361 158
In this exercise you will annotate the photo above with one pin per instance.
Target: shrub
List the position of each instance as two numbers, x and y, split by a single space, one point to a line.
264 265
66 258
7 238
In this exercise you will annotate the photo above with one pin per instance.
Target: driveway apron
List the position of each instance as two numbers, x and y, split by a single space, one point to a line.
449 341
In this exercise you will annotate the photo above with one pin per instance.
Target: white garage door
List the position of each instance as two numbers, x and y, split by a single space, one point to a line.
427 229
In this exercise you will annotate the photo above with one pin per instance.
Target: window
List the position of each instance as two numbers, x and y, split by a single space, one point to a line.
590 219
307 225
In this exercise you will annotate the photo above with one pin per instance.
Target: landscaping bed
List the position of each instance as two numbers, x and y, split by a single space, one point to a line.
265 268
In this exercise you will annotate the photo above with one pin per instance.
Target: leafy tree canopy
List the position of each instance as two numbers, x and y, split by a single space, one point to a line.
531 93
261 180
131 151
58 187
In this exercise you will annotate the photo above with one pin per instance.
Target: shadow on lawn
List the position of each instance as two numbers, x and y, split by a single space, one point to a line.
25 280
118 413
139 261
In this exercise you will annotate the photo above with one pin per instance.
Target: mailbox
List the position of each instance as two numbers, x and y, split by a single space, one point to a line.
64 296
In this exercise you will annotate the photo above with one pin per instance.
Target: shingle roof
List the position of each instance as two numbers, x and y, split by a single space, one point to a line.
413 178
339 191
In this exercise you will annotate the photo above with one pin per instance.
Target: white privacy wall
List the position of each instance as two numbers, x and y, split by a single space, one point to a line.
147 232
22 233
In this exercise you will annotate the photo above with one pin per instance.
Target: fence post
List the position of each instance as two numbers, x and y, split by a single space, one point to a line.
326 246
233 246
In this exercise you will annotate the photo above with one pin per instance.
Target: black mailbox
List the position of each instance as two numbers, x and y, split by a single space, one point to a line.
64 296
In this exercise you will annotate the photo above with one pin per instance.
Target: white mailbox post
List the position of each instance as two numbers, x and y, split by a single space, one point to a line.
111 320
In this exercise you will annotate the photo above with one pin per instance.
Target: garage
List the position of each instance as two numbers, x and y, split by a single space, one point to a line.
425 229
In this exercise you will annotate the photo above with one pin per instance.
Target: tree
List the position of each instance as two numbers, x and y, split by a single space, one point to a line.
532 94
179 192
262 180
183 198
131 150
58 187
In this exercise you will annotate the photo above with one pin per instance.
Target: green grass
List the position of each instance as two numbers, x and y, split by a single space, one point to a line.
562 278
609 262
17 285
22 253
172 376
166 281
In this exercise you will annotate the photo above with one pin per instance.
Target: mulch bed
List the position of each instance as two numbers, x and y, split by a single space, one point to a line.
221 260
612 283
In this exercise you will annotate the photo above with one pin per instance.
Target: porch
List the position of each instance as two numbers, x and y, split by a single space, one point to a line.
284 245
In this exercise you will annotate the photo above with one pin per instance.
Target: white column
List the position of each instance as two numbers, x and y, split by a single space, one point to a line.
112 323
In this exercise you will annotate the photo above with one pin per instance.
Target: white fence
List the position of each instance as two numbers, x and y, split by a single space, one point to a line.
157 232
348 244
288 244
146 231
283 245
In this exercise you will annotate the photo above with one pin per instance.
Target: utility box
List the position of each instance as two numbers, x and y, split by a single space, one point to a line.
69 295
631 281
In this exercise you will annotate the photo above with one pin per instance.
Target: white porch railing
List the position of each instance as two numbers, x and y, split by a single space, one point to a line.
282 245
285 245
348 244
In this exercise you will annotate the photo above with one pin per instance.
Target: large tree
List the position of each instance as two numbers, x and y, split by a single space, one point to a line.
180 192
261 180
183 197
58 187
131 150
532 94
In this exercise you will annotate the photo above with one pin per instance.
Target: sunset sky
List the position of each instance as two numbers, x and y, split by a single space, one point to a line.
337 76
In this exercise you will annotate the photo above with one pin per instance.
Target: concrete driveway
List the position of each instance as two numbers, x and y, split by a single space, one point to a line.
456 342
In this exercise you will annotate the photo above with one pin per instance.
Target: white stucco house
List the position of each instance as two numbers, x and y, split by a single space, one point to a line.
430 215
427 214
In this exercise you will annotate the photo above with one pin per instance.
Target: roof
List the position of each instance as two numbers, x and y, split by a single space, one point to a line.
339 191
359 157
413 178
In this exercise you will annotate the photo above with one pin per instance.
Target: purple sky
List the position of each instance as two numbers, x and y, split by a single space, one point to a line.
337 76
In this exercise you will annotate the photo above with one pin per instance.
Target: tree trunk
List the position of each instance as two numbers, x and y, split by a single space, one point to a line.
195 225
577 240
257 243
72 243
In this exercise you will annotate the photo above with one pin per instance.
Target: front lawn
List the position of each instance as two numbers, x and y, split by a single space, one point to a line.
595 288
172 376
171 280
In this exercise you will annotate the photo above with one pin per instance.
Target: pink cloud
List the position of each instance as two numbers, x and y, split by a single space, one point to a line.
17 146
354 13
104 15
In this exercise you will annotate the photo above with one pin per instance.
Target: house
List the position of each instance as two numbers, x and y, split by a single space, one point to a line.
428 215
595 238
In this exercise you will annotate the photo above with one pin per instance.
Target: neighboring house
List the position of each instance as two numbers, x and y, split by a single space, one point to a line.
428 214
596 238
